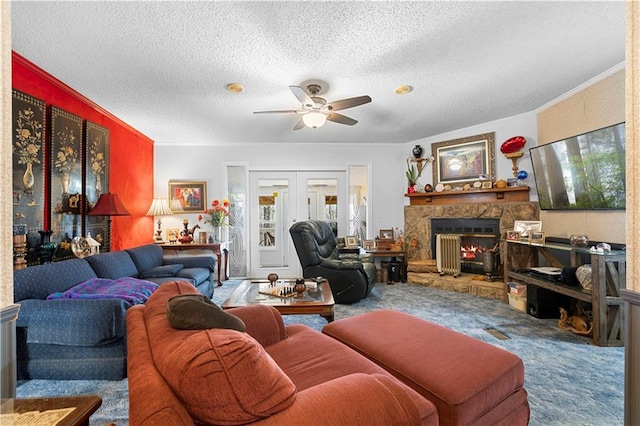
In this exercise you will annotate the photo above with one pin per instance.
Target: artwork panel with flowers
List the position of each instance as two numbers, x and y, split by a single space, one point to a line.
96 142
217 214
66 171
28 139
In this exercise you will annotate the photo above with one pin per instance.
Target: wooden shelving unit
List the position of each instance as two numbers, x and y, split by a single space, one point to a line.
608 277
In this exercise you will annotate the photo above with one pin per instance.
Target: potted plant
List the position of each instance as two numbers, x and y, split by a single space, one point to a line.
412 177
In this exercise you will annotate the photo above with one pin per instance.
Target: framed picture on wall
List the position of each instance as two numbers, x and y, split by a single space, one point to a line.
464 160
192 195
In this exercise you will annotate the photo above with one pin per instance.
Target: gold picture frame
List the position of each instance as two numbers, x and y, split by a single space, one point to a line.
513 236
173 234
192 195
536 238
465 159
351 241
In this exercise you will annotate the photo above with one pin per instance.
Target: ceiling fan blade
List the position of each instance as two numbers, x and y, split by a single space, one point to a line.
276 112
348 103
302 96
342 119
299 125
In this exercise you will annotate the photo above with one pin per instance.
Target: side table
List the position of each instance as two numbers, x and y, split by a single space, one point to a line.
393 255
218 249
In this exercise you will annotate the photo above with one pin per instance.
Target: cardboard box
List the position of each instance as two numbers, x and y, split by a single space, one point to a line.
518 302
517 289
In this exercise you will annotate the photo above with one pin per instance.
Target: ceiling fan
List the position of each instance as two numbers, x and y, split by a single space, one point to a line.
315 111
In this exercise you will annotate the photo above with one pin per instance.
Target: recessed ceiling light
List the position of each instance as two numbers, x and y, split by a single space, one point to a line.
235 87
403 90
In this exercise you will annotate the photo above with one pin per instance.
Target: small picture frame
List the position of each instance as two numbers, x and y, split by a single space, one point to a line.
513 236
369 244
386 234
536 238
487 184
512 182
351 242
173 234
527 226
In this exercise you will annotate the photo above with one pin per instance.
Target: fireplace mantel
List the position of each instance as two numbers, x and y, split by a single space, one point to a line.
494 195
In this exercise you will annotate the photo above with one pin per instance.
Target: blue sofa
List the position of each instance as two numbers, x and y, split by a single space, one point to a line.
71 339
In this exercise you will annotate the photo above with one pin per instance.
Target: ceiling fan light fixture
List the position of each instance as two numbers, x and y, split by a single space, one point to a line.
314 119
235 87
403 90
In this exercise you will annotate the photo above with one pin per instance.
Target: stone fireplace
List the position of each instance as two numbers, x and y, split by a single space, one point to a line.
419 239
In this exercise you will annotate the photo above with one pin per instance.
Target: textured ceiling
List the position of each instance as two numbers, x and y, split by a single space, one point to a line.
162 67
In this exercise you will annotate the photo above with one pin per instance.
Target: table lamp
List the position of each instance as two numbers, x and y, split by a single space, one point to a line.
159 207
109 205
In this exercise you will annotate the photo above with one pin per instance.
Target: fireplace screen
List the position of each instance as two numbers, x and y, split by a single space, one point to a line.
478 239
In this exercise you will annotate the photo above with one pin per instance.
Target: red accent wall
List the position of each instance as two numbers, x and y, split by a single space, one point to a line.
131 152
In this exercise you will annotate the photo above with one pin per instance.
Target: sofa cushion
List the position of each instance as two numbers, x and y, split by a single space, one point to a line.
146 257
195 275
73 322
162 271
37 282
221 376
197 312
113 265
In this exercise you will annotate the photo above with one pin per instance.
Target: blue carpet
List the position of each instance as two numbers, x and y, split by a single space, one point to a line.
569 380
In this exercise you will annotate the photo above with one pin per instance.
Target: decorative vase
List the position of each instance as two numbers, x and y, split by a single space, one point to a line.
28 179
417 151
217 234
411 189
65 180
98 185
579 240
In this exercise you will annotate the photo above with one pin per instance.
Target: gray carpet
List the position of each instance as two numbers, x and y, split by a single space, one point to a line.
569 380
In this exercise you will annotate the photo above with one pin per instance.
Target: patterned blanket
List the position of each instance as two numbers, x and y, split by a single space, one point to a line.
132 290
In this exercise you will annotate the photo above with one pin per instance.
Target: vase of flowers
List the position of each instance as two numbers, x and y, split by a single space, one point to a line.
217 216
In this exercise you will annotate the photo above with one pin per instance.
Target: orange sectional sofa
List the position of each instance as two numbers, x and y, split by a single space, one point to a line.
272 374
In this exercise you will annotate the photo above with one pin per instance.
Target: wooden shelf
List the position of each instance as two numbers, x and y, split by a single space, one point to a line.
512 194
607 279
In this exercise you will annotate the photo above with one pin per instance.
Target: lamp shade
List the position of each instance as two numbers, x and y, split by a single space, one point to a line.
159 207
109 205
314 119
176 206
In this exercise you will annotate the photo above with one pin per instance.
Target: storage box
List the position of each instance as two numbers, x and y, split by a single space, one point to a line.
518 302
517 289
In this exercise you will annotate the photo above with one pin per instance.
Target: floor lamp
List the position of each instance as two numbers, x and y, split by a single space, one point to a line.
109 205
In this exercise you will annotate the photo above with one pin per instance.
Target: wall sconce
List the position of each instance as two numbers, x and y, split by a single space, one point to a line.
511 149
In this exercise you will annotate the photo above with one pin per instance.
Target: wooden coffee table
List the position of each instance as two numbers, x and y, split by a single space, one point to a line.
314 301
82 408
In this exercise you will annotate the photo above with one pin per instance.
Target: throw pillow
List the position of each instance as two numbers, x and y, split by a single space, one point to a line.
197 312
162 271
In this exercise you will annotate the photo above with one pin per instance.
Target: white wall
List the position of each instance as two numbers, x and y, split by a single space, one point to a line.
504 129
207 163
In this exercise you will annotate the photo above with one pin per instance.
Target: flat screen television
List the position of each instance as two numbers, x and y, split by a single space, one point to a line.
583 172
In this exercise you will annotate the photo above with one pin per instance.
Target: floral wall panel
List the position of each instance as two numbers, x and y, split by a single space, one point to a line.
96 180
29 124
66 180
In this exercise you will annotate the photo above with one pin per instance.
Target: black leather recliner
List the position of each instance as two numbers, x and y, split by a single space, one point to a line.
351 276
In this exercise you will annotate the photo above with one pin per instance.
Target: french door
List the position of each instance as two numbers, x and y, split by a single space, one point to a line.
280 198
